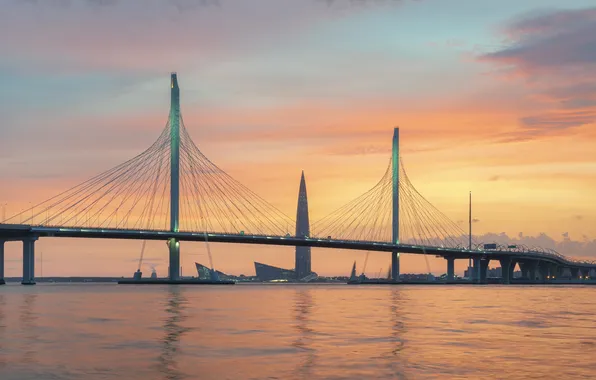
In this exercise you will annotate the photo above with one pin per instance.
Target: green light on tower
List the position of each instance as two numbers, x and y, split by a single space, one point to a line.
174 120
395 186
395 204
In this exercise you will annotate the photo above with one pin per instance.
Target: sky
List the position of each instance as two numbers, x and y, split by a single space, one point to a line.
493 97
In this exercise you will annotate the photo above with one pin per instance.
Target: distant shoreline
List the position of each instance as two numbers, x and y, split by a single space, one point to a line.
83 279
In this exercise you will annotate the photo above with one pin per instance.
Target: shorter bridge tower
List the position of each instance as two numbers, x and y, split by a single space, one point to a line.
395 204
174 244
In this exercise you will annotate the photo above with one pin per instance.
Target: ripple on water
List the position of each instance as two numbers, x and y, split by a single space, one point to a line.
307 332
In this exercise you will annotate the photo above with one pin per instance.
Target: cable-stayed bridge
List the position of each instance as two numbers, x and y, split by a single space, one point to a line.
173 192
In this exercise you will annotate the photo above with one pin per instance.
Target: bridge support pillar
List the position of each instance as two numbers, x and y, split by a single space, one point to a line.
29 261
574 273
506 266
2 262
585 273
174 246
533 270
395 266
484 270
450 268
543 268
553 271
512 270
524 267
476 270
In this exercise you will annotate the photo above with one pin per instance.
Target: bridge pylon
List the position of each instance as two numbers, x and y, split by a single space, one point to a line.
395 204
174 121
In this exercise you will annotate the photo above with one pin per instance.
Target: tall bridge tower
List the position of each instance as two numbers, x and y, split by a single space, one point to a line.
395 204
174 121
303 263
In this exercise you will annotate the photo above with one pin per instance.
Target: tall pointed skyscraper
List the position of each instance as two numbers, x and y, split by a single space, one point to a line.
303 268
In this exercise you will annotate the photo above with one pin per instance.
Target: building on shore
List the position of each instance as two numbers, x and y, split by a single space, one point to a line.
266 272
204 273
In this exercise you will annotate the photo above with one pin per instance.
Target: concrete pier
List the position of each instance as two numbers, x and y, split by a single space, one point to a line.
476 270
483 270
533 270
2 262
395 266
506 266
174 270
450 268
29 261
524 267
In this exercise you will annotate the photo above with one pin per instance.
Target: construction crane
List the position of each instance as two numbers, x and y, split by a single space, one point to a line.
209 252
150 218
213 274
365 262
138 274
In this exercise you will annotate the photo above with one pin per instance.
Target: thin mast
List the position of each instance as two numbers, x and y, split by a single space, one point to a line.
470 223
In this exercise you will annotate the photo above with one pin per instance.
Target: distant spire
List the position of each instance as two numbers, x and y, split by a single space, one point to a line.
353 273
303 261
302 197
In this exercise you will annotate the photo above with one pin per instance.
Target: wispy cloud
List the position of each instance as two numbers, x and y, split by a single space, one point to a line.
586 248
555 52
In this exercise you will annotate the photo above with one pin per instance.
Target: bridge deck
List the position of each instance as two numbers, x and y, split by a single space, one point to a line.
15 232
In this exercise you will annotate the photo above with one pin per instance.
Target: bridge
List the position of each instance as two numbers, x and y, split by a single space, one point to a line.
174 193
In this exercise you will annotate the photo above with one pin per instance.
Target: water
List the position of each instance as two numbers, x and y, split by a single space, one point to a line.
296 332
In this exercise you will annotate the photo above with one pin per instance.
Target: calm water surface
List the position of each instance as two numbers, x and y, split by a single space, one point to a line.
296 332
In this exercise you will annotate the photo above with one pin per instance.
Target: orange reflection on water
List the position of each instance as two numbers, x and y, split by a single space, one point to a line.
296 332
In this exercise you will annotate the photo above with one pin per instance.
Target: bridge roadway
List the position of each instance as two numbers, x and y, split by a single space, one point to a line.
12 232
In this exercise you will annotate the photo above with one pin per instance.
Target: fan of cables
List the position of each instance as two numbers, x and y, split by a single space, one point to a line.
369 217
136 195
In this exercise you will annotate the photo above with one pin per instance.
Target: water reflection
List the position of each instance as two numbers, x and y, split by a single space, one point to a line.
28 325
170 351
297 332
395 356
397 321
303 304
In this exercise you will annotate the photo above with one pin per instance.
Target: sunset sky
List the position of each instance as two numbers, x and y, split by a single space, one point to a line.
493 97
